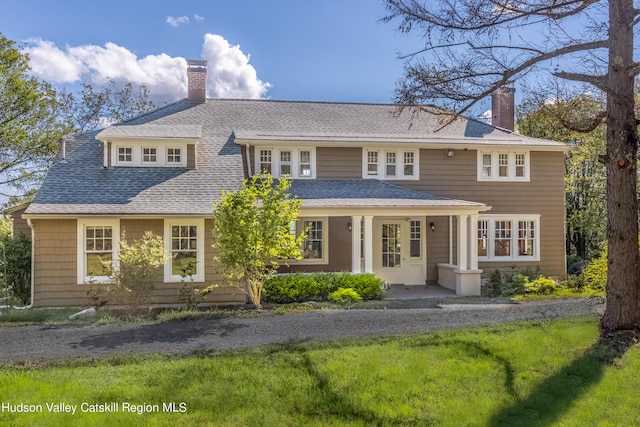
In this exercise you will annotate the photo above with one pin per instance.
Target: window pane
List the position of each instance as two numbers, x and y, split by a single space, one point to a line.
312 247
408 163
483 237
486 165
95 265
502 241
520 165
184 263
372 162
526 238
503 164
391 164
414 235
305 170
285 163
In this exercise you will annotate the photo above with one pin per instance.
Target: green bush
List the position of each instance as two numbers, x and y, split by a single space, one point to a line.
495 283
344 296
542 286
17 256
516 285
594 275
300 287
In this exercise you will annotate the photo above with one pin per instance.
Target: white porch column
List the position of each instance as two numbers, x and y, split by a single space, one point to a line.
368 244
355 243
463 242
473 242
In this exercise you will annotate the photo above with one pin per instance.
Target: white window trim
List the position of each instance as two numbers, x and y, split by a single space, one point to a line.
81 258
382 164
183 154
149 162
169 277
325 241
133 155
137 154
295 161
511 174
491 219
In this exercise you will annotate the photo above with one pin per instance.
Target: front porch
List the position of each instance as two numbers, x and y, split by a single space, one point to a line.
403 236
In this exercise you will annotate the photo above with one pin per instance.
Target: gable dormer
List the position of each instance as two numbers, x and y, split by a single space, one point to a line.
150 145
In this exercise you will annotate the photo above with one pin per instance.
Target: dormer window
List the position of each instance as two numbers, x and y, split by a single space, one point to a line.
174 155
125 154
149 155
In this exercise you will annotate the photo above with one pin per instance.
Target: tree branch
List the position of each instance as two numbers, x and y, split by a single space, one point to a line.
598 81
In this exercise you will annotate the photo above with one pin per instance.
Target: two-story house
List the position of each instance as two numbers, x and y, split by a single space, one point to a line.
388 192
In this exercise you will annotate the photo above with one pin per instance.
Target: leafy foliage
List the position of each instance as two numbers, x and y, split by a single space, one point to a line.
15 264
344 296
594 275
31 121
251 230
300 287
134 278
91 108
585 176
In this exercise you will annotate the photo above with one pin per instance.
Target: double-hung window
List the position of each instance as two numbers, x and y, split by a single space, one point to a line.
304 159
98 243
509 237
314 245
503 165
285 163
184 242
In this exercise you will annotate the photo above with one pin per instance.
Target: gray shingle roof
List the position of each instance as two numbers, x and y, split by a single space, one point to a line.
367 193
151 131
81 185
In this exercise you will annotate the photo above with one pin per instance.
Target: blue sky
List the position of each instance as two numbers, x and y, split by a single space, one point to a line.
329 50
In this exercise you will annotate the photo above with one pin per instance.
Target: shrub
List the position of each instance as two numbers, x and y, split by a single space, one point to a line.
366 285
516 285
594 275
345 295
300 287
133 281
542 286
495 283
16 263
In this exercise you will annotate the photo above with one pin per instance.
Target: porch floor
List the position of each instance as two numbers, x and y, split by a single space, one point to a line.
418 291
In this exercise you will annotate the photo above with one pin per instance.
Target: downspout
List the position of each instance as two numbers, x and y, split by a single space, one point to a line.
248 158
31 226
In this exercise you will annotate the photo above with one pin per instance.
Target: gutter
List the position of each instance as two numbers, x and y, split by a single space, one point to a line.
30 305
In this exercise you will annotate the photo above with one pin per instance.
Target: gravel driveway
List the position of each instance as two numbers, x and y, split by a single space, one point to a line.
58 342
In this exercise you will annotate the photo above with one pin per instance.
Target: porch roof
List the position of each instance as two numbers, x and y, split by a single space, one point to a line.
370 193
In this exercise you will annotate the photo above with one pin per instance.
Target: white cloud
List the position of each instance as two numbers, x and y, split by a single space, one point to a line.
177 21
229 73
199 19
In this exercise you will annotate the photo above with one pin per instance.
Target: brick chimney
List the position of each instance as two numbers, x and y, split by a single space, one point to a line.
197 80
502 108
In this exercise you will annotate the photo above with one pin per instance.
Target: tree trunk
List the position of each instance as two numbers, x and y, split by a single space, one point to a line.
622 309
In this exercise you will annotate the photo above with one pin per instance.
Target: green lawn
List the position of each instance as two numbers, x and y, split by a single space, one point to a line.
519 374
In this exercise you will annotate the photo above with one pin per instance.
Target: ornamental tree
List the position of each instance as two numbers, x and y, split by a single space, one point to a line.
251 232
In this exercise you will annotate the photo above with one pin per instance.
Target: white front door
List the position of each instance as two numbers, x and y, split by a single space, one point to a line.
399 255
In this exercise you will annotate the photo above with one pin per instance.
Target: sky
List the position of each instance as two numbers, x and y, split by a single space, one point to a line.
329 50
322 50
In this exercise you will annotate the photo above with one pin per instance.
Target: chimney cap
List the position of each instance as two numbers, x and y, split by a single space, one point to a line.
198 65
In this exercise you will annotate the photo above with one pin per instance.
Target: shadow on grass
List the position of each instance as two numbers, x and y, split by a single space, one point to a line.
551 398
331 403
